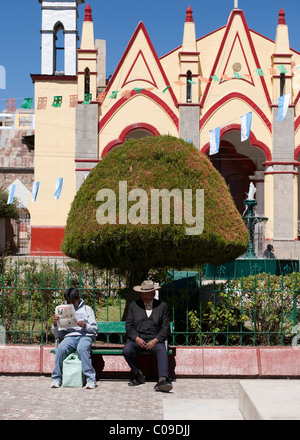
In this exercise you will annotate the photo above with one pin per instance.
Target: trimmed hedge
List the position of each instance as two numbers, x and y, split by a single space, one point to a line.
155 163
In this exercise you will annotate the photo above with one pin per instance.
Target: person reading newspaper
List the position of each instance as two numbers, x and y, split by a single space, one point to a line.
75 335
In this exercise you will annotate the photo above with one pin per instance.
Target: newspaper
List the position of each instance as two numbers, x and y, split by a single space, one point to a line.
67 316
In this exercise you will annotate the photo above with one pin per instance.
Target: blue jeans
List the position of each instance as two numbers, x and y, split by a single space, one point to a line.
81 344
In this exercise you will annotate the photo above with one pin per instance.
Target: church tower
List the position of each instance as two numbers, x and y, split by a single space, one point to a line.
59 17
189 107
283 170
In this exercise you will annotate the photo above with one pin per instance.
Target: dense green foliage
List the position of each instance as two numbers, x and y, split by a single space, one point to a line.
154 163
7 211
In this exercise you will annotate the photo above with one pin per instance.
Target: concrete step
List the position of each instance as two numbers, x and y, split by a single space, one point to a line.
259 399
270 399
201 409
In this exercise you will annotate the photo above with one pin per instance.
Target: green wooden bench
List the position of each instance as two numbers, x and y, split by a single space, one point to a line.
109 328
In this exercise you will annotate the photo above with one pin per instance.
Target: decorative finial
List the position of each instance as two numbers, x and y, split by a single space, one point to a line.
189 15
236 4
281 19
88 13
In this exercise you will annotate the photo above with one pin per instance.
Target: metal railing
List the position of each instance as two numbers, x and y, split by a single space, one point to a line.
257 310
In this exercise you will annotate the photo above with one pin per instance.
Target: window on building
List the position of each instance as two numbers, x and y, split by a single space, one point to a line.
189 86
87 77
282 83
59 48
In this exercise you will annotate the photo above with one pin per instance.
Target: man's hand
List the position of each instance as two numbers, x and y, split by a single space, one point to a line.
140 342
81 324
151 344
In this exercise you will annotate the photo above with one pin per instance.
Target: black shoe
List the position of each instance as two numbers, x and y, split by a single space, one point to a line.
137 380
164 386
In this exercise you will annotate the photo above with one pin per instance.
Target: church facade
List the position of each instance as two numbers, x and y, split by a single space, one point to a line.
206 83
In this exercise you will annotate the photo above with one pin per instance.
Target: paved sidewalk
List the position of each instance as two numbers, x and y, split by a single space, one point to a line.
31 398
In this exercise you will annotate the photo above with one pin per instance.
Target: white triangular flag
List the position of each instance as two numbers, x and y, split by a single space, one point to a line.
214 141
35 189
283 105
246 121
11 194
58 188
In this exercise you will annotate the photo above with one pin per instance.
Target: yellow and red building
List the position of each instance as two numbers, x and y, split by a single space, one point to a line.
205 83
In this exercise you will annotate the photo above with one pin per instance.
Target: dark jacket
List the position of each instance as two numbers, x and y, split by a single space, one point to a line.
160 316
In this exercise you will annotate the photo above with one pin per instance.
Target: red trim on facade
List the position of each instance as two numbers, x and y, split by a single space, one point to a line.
239 12
125 133
87 160
235 95
150 95
87 50
189 15
297 151
88 13
83 169
254 142
58 78
249 71
270 163
297 122
282 172
141 27
153 82
47 240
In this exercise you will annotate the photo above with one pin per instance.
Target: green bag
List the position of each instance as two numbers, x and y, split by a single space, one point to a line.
72 371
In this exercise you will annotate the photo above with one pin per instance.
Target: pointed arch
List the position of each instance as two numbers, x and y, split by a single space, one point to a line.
59 57
254 142
127 130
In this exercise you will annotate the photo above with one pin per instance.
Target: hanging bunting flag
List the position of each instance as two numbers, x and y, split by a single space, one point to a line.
246 121
58 187
114 94
42 103
189 140
126 94
11 105
11 194
87 98
179 83
27 103
191 82
57 101
283 105
35 190
282 68
225 77
215 78
214 141
166 89
260 72
138 89
73 101
237 75
205 80
86 174
101 96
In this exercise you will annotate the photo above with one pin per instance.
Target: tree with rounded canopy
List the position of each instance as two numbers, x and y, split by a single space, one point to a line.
162 162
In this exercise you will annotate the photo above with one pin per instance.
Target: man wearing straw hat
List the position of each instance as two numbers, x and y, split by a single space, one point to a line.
147 327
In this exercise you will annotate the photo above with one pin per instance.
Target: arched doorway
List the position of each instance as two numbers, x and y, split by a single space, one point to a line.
236 169
138 134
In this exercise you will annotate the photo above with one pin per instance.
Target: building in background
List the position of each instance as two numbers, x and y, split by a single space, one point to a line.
205 84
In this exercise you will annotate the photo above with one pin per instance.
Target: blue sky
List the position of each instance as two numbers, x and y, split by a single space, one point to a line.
115 22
